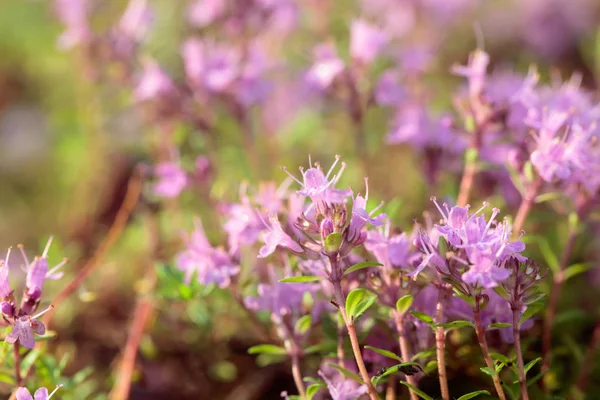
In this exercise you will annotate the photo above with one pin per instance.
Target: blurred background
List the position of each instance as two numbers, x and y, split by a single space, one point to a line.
72 136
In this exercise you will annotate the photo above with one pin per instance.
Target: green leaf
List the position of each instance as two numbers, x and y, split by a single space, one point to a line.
500 357
404 303
333 241
310 379
548 197
442 246
347 373
318 348
456 325
384 353
468 299
424 354
531 311
396 368
502 292
364 305
473 394
576 269
531 363
303 324
267 349
362 265
423 317
533 298
528 171
420 393
358 301
548 254
488 371
499 325
302 279
313 389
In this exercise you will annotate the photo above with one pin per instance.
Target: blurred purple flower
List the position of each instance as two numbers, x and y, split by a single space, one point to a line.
341 388
211 265
279 298
40 394
136 20
172 179
210 65
366 41
474 71
204 12
388 91
74 15
153 83
327 66
277 237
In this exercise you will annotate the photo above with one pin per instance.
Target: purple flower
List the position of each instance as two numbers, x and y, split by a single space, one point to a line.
414 125
366 41
153 83
327 66
487 244
360 217
40 394
211 265
318 186
431 258
172 179
5 289
24 327
38 272
474 71
279 298
341 388
210 65
387 91
277 237
73 14
136 19
204 12
243 225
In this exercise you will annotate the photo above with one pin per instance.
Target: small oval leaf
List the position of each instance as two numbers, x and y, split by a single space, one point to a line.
347 373
422 317
302 279
385 353
404 303
473 394
362 265
267 349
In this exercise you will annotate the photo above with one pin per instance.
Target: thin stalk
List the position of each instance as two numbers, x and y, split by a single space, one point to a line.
17 356
340 343
390 390
480 330
526 205
466 183
557 284
519 353
134 189
405 350
588 361
293 351
341 300
440 345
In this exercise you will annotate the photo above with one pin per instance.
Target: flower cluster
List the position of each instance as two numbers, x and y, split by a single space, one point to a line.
21 317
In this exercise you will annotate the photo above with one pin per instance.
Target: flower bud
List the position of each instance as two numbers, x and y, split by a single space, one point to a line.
8 309
327 227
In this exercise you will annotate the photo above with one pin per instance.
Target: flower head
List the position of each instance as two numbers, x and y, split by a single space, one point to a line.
366 41
275 237
360 217
40 394
327 66
154 83
24 327
172 179
474 71
341 388
211 265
